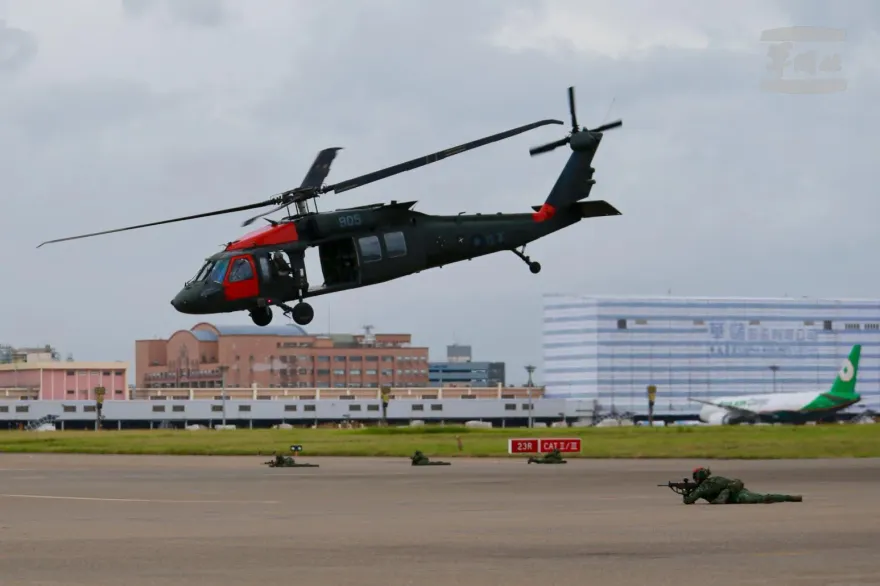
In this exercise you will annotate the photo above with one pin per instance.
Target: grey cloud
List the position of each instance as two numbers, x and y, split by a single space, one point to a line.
65 110
725 189
203 13
138 8
17 48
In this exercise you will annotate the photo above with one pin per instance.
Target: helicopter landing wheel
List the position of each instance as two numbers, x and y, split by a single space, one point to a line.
302 313
534 266
262 316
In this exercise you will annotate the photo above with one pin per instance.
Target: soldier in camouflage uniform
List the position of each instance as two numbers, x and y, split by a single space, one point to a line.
280 461
419 459
552 457
718 490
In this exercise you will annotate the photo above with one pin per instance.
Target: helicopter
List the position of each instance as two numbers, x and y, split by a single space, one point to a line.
375 243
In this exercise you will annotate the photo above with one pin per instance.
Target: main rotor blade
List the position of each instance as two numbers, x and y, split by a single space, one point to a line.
250 221
193 217
574 120
432 158
317 173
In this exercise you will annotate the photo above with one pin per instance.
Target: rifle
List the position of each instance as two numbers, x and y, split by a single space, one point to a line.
682 488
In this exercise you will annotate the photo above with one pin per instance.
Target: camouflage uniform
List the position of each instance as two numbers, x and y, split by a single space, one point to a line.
419 459
280 461
718 490
552 457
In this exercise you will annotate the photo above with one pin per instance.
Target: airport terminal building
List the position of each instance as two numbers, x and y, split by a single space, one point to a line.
610 349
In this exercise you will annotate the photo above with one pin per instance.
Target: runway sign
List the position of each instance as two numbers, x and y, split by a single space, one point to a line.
543 445
522 446
563 444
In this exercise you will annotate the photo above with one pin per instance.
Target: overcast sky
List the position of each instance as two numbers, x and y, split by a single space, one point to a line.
119 112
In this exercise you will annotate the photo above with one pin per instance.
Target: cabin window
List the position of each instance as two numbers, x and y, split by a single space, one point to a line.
241 271
395 244
219 270
264 268
371 250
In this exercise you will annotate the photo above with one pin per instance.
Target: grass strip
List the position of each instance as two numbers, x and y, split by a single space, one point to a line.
726 442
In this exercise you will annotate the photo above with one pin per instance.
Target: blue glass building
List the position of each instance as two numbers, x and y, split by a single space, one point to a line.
612 348
474 374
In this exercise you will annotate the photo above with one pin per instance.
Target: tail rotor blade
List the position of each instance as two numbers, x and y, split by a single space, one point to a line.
574 120
575 129
546 148
608 126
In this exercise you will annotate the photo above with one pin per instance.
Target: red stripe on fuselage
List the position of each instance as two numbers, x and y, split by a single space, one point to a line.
546 212
268 236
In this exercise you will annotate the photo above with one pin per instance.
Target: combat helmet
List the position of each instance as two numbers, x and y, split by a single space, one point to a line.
700 474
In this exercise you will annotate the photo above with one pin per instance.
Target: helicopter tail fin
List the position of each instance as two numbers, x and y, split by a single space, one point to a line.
575 182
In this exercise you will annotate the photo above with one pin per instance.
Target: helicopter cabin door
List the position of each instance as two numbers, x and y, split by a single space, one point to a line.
241 280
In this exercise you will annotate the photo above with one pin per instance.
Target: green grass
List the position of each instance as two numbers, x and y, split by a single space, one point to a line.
731 442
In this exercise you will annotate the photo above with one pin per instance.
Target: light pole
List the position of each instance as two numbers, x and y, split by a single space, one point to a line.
529 384
774 368
223 370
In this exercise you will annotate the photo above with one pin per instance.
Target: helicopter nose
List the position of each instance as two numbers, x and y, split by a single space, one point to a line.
181 301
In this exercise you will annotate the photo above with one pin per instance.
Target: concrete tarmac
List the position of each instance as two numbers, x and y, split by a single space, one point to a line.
143 520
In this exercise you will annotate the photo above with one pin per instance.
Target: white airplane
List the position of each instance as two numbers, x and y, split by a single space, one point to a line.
797 407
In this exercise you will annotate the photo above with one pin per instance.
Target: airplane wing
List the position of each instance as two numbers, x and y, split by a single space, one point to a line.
733 410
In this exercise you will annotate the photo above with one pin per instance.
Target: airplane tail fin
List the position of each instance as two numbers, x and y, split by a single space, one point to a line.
844 385
576 179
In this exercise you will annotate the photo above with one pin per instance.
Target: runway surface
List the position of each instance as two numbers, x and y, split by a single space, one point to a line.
142 520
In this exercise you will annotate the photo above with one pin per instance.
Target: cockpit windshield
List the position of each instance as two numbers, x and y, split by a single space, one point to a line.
219 270
203 272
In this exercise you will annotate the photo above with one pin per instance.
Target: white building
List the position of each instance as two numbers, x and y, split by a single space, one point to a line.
611 348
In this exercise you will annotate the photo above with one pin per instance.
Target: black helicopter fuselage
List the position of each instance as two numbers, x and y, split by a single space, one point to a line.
374 244
367 245
358 247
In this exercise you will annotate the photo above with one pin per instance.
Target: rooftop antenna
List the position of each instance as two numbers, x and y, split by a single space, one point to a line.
530 369
369 338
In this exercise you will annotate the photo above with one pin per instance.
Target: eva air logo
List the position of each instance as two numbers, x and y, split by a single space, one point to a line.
846 371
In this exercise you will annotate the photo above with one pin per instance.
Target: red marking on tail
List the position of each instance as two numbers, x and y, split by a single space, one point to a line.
546 212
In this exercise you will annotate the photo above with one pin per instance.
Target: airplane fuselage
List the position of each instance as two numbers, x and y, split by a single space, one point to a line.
798 407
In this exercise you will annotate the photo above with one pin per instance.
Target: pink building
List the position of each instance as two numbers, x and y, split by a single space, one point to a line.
59 381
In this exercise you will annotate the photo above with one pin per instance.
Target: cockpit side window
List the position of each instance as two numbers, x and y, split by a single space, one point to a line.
219 270
241 270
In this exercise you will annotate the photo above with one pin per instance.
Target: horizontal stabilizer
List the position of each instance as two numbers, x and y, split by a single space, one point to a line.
596 209
592 209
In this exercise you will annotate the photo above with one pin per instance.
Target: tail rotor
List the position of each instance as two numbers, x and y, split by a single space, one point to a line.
576 132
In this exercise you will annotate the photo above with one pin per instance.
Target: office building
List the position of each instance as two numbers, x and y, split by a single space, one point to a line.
459 370
208 355
56 380
612 348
